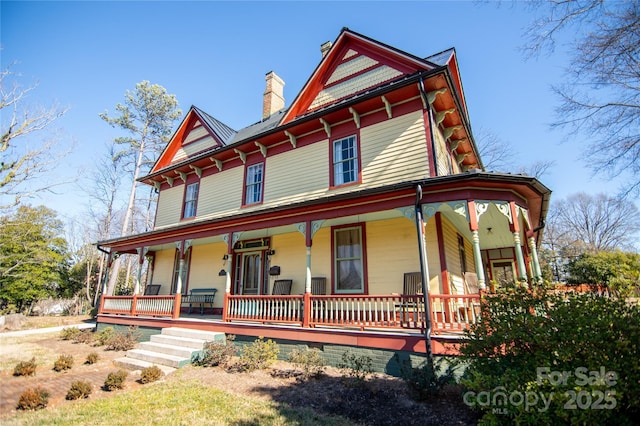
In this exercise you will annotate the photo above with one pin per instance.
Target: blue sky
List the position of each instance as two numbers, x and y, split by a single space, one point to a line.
86 55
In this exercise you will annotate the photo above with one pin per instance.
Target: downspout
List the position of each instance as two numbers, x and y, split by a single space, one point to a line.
424 272
423 93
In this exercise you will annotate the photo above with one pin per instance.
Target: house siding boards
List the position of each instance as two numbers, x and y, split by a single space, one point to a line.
352 67
450 235
204 265
221 193
163 270
442 154
169 206
394 151
356 84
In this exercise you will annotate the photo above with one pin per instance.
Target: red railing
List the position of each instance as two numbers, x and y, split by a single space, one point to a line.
160 306
449 313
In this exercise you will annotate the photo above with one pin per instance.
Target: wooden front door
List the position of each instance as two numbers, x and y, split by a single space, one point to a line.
252 268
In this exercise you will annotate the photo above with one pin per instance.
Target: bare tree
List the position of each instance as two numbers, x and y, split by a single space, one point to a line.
590 224
600 99
22 167
498 156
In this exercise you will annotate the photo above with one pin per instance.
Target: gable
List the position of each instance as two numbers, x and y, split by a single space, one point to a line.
355 64
195 135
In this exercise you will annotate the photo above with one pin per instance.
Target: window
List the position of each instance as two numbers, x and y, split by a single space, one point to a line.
345 161
349 260
253 184
462 254
190 200
176 271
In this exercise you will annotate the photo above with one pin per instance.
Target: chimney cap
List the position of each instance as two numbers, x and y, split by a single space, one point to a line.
325 47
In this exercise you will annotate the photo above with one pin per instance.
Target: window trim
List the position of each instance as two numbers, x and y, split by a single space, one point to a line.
332 177
245 186
195 201
363 259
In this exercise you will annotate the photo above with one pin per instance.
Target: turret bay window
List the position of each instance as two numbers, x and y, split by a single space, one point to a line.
253 184
345 161
349 260
190 200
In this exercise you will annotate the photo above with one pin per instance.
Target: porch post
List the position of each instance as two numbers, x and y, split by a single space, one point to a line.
307 290
142 251
475 240
227 278
522 271
537 272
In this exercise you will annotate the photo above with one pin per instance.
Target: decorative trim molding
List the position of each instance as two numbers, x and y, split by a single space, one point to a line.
387 106
356 116
292 138
243 155
263 149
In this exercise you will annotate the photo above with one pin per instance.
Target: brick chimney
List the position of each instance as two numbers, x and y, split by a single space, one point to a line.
324 48
273 100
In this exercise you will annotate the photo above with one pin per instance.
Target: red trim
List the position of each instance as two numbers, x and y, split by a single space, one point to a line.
244 183
332 141
365 269
444 272
369 339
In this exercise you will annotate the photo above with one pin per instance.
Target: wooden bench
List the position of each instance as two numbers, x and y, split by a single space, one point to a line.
201 296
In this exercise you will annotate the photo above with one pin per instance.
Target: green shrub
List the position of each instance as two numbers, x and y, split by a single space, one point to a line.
259 354
102 337
79 389
92 358
83 336
120 341
429 378
25 368
64 362
69 333
115 380
33 399
310 361
356 367
150 374
215 353
557 350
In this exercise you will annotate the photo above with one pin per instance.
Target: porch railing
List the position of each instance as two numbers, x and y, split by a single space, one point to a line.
138 305
284 309
449 313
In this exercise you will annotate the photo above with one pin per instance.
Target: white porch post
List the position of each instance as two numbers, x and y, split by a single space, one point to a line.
477 258
307 283
227 280
522 271
534 257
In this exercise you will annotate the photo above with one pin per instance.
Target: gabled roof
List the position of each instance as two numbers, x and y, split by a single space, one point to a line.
354 64
219 132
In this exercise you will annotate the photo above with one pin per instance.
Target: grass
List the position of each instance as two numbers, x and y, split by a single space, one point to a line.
185 402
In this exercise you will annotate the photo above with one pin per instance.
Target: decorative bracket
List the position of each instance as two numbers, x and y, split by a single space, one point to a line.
292 138
460 207
431 96
408 212
168 179
440 115
302 228
315 226
448 131
263 149
327 127
198 170
460 157
387 106
217 162
453 144
183 176
504 208
356 116
157 185
243 155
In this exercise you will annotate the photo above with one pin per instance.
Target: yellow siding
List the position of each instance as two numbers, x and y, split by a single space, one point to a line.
349 68
450 235
163 270
392 250
221 193
206 262
394 151
296 175
321 256
364 81
442 155
169 206
433 258
291 256
193 148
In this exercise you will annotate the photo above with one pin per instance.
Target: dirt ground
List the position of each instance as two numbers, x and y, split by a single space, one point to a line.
381 400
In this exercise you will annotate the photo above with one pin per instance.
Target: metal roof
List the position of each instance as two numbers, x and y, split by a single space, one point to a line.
224 132
441 58
260 127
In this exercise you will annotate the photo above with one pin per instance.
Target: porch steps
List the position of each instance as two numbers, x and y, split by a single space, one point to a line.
173 348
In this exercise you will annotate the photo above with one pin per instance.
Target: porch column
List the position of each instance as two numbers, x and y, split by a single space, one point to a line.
537 272
477 258
522 270
307 283
228 238
182 246
474 217
141 254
